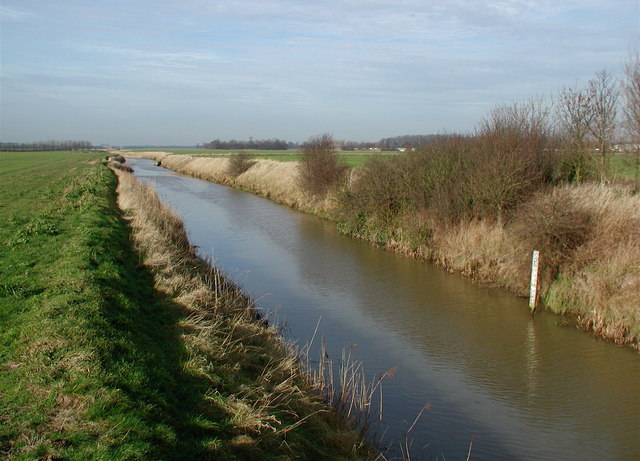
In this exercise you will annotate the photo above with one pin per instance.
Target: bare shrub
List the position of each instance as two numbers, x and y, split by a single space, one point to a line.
556 224
239 163
432 169
518 127
510 158
320 168
497 181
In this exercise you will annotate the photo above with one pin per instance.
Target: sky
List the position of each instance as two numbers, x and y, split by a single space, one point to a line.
183 72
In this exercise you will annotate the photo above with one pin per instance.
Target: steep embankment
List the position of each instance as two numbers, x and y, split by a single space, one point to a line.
590 234
118 351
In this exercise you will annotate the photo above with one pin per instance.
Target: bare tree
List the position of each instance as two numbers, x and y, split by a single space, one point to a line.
631 108
603 98
574 114
320 168
520 126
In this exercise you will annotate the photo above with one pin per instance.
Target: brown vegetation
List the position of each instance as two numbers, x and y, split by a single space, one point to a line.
320 169
419 204
239 163
256 380
479 204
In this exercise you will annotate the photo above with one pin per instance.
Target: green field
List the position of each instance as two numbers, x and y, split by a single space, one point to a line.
84 364
94 360
623 165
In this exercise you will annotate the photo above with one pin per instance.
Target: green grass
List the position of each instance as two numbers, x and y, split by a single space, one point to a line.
92 359
623 165
86 372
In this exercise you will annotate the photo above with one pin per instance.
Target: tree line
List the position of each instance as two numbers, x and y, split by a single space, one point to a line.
262 144
45 146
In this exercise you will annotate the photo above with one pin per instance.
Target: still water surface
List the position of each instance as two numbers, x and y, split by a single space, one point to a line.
517 387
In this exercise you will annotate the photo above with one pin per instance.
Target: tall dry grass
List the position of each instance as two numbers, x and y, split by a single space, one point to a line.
268 178
600 282
589 239
256 379
588 234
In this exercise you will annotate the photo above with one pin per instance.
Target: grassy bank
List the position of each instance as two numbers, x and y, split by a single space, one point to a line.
118 351
481 215
351 158
268 178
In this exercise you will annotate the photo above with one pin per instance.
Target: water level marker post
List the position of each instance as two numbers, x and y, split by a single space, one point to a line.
533 287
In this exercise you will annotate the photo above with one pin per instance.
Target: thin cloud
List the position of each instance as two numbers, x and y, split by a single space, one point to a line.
13 14
359 65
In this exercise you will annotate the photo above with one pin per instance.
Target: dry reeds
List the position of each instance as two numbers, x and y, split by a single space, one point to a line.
601 281
255 377
588 234
268 178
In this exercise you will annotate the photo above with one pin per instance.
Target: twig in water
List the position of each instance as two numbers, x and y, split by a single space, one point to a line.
426 407
470 445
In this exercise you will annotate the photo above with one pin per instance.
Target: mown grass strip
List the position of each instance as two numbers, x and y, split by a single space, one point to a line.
97 363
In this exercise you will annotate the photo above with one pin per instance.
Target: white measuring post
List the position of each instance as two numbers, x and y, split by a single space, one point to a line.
533 289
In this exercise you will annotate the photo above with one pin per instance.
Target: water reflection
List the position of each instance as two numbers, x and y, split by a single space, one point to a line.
527 388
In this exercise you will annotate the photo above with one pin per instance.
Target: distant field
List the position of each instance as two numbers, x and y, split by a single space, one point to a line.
353 159
623 165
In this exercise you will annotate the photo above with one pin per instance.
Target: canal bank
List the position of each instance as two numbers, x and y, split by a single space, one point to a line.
599 289
256 391
513 384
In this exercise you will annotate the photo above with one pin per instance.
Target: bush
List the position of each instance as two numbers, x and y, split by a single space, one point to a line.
239 163
386 188
556 224
573 165
320 168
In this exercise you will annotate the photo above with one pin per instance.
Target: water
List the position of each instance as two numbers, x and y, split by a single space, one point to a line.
514 386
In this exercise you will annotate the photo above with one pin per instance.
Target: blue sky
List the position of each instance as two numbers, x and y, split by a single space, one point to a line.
188 71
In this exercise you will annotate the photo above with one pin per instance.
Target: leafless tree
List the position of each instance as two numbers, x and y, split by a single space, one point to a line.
631 108
603 94
574 114
320 168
